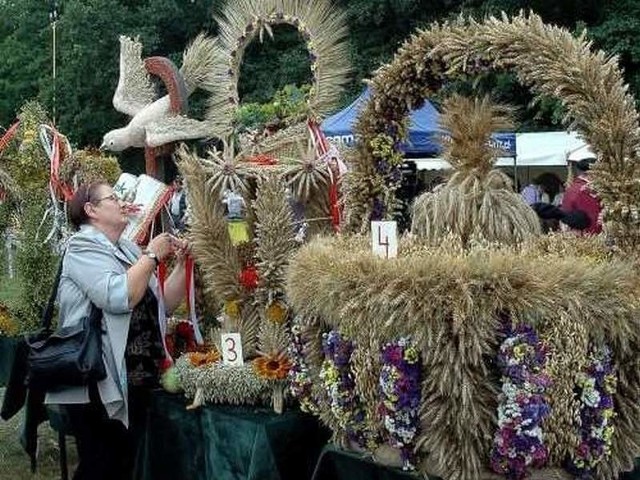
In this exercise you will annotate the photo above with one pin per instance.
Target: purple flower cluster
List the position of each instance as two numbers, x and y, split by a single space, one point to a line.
300 383
339 383
400 390
595 388
518 443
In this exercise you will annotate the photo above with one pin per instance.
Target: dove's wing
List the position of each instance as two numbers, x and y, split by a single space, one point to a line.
174 128
135 89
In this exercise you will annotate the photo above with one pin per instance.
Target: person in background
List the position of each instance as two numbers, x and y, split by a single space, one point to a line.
102 268
557 198
178 204
581 196
551 215
532 193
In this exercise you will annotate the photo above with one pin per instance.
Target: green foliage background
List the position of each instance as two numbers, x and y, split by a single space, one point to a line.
88 49
35 263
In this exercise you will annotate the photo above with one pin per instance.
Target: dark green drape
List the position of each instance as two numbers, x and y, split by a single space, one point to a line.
239 443
228 443
336 464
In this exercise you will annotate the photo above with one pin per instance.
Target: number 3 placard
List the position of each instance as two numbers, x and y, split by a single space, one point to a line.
384 239
232 349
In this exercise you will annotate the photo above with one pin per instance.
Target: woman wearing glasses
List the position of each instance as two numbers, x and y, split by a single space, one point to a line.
111 272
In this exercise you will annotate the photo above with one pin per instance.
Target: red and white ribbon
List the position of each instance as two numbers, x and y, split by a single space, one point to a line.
337 168
162 310
191 299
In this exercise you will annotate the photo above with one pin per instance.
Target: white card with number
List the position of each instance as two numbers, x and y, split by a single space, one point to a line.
384 239
232 349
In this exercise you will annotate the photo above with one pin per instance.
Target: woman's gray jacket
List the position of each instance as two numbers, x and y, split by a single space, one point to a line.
95 270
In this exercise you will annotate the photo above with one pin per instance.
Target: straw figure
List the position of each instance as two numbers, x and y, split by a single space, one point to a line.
477 200
484 350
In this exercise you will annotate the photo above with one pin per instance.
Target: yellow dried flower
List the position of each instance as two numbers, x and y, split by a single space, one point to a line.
232 308
276 312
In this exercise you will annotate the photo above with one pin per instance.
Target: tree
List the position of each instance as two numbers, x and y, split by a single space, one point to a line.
618 34
25 43
88 49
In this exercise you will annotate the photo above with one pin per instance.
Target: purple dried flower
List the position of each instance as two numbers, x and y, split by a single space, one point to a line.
518 443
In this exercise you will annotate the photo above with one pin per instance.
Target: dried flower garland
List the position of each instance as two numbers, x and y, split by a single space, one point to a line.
339 382
519 443
400 389
300 383
595 387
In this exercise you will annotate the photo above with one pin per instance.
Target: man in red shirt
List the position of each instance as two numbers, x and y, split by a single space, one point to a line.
581 196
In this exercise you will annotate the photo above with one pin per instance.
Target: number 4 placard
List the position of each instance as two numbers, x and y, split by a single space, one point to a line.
384 239
232 349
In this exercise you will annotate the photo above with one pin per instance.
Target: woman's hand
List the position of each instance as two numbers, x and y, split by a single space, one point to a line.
162 245
181 248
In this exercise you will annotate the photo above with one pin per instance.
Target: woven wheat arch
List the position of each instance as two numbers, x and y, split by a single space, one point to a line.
323 29
546 58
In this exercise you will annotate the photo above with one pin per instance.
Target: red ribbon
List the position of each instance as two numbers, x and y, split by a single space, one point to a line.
61 188
334 198
162 276
8 135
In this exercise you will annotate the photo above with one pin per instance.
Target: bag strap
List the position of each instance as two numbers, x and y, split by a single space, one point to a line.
47 315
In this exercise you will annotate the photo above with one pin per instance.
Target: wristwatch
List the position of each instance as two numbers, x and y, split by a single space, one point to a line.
152 256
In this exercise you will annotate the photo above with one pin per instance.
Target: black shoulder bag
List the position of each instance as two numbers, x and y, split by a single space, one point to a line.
68 356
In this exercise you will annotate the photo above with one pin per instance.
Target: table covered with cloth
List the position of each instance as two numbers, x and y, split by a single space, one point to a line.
227 442
337 464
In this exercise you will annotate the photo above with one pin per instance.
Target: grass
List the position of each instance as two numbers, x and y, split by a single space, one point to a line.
14 462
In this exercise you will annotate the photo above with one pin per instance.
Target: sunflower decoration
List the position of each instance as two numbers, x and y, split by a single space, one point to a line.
272 366
199 359
277 312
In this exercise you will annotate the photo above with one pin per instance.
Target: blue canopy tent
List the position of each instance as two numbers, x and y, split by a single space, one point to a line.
424 129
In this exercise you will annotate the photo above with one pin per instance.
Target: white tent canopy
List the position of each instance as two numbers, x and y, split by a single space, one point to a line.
544 149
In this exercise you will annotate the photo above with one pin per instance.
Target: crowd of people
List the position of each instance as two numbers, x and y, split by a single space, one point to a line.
578 208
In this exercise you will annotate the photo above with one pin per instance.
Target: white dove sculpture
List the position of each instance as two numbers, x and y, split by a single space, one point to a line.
155 121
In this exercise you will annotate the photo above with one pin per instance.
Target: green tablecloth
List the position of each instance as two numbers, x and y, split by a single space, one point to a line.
635 475
7 352
228 443
337 464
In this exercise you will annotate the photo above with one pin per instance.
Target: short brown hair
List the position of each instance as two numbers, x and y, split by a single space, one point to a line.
84 194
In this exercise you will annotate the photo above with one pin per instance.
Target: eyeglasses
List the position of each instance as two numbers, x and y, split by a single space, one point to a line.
113 197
